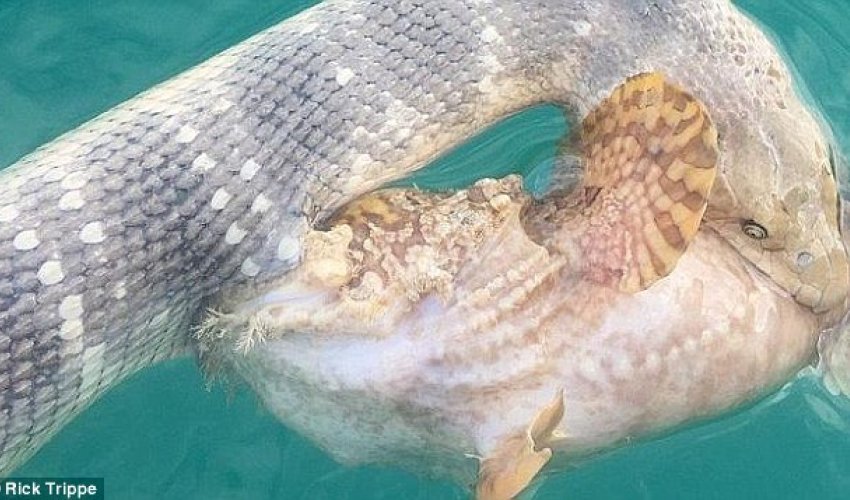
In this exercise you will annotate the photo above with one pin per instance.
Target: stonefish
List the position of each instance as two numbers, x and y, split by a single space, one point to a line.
425 329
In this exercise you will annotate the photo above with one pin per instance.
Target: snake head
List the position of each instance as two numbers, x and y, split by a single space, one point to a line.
777 203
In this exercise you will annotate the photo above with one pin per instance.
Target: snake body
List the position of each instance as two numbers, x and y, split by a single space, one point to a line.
115 237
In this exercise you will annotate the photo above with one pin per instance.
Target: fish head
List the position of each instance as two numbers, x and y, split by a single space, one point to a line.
776 201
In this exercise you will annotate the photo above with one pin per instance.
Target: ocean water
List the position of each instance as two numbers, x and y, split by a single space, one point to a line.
162 435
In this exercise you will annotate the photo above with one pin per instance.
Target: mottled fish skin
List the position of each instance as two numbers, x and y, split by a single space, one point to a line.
441 382
484 281
115 236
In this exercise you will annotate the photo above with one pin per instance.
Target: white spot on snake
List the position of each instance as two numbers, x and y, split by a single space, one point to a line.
343 76
71 329
220 199
26 240
92 233
222 105
490 35
261 204
250 268
92 365
74 180
360 133
360 163
582 28
288 249
186 134
8 213
120 291
51 272
249 170
55 174
71 307
72 200
234 234
203 162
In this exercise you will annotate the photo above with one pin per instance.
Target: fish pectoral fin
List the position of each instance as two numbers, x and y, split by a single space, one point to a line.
650 153
505 475
507 471
544 426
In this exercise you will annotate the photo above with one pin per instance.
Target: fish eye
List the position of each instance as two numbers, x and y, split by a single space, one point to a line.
754 230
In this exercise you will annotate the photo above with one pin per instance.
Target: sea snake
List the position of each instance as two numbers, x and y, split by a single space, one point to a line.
116 236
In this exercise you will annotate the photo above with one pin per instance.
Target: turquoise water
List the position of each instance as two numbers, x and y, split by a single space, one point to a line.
161 435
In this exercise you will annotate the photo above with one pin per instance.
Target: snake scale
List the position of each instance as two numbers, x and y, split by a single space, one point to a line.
115 237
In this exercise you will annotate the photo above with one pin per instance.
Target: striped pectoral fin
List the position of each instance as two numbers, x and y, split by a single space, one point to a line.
650 153
509 469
